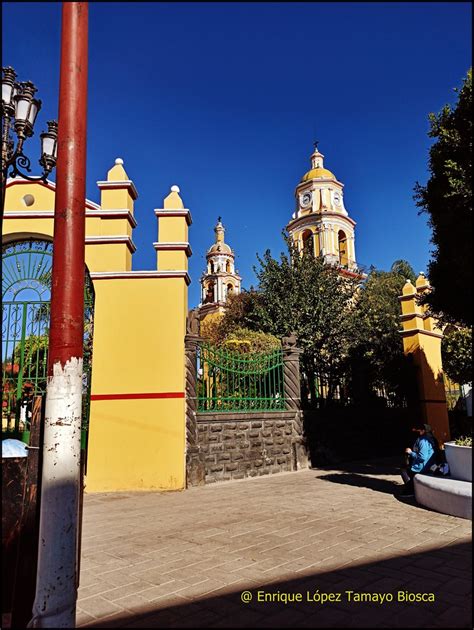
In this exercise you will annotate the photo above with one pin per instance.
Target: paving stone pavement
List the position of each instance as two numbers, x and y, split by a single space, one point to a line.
330 537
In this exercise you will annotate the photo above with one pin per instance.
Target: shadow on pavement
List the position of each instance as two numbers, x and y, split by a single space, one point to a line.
386 466
361 481
444 572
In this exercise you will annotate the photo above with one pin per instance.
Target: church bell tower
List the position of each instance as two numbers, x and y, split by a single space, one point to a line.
321 223
220 278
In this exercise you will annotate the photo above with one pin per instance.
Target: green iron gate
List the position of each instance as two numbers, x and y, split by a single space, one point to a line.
26 294
232 381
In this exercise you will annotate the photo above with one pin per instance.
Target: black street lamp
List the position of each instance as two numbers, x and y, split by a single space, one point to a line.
19 111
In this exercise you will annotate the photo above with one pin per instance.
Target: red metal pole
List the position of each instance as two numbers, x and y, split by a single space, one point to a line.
67 290
56 588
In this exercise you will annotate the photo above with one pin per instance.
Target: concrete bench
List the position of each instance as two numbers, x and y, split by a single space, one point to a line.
444 494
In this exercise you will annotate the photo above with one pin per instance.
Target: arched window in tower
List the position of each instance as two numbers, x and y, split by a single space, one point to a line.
342 241
227 267
230 289
212 267
308 241
209 293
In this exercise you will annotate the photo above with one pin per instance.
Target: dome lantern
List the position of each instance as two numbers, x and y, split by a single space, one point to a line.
317 167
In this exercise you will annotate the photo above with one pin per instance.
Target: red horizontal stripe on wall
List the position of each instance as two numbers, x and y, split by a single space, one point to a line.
137 396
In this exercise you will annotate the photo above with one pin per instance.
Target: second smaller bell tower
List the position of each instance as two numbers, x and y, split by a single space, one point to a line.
220 278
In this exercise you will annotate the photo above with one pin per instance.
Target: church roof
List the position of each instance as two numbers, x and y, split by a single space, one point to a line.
219 248
318 173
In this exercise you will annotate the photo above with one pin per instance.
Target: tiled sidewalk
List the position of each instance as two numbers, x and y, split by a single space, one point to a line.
182 559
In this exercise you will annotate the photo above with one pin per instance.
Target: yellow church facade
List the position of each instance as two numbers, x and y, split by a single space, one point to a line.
137 403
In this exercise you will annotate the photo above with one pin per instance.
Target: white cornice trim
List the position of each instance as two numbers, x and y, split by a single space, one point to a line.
220 274
179 212
124 183
318 217
132 275
29 214
319 180
215 254
112 240
186 247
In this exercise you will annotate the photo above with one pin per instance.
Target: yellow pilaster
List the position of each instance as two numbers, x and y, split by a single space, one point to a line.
117 197
422 340
172 247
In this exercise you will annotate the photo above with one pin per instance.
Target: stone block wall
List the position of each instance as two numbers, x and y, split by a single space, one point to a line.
225 446
239 445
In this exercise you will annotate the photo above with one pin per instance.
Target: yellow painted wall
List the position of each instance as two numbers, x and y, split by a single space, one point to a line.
99 257
172 260
138 344
27 226
43 197
173 229
140 443
108 257
136 445
114 199
422 340
112 227
139 348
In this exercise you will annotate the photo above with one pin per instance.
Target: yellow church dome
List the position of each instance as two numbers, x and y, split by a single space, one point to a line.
316 173
219 248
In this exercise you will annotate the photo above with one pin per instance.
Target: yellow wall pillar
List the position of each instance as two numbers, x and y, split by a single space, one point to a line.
172 247
117 197
422 340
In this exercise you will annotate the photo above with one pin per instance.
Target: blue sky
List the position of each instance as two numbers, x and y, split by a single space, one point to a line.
225 100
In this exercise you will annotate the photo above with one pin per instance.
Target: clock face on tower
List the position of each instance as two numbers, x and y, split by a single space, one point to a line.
337 199
305 199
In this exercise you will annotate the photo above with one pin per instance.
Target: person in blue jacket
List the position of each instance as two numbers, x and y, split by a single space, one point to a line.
419 458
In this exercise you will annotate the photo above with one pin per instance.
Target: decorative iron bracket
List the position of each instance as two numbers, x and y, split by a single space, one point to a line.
20 160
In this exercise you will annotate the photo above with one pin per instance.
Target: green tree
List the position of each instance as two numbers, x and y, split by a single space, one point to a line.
243 310
404 269
378 359
447 199
456 352
303 295
35 354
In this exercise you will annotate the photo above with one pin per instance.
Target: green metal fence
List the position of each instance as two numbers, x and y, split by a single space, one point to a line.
231 381
26 294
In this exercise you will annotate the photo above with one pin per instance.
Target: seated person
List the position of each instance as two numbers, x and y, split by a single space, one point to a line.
419 458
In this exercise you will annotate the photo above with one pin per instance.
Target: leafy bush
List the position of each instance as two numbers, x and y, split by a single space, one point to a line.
456 352
251 342
210 329
463 441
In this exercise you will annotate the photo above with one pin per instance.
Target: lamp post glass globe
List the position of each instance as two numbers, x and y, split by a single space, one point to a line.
49 146
20 109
